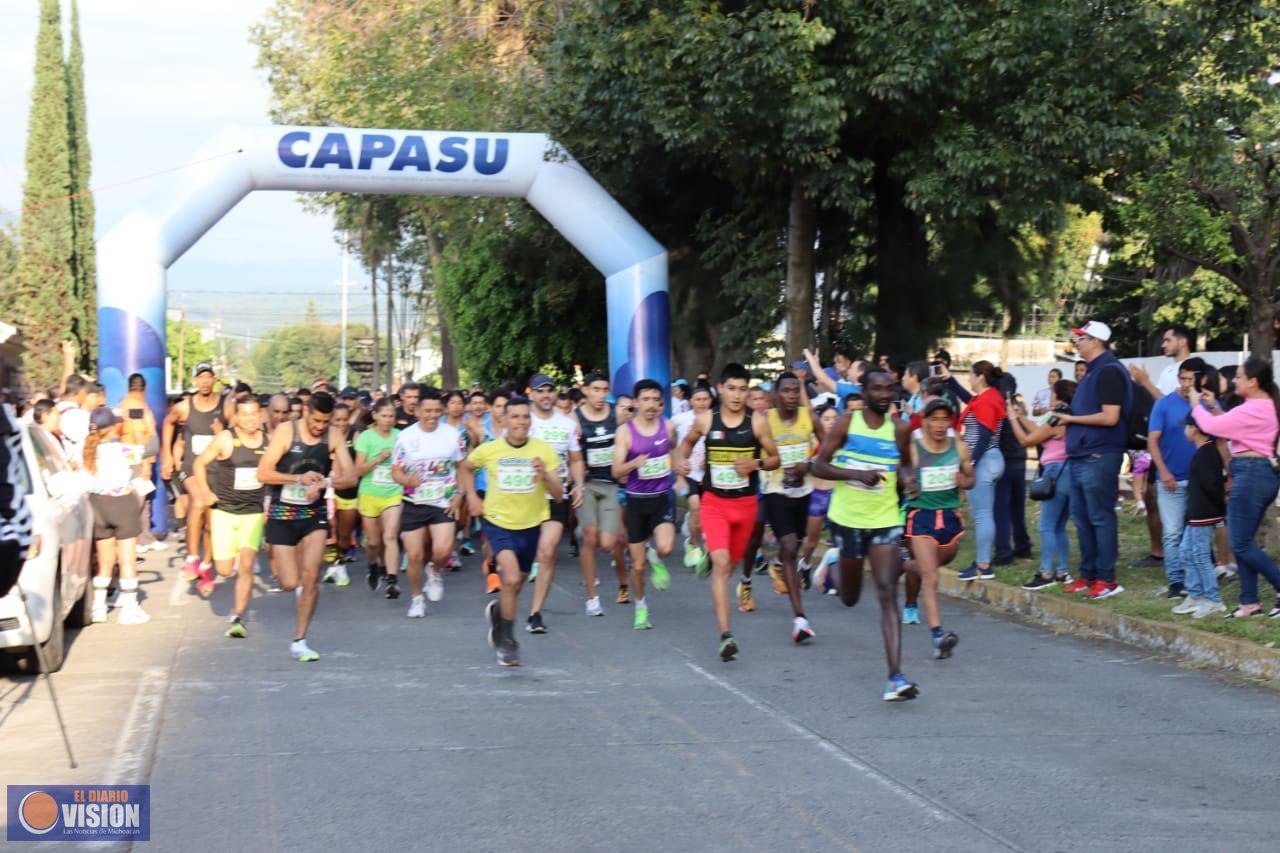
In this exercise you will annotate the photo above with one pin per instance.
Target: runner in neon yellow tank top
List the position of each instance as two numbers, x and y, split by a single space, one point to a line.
868 455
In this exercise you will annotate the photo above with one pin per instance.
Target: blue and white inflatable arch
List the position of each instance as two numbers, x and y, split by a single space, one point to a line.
134 256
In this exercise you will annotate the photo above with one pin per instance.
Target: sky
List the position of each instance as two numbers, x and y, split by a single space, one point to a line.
161 78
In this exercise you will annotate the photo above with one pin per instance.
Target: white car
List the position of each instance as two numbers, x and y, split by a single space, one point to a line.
55 576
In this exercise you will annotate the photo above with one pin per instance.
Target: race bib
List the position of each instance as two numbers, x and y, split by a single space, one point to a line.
793 454
430 491
655 468
247 480
516 479
598 457
938 478
199 443
382 475
294 494
725 476
867 466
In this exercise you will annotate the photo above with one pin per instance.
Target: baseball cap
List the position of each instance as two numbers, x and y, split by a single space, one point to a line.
1094 329
365 397
203 367
936 404
349 393
103 418
681 382
321 385
540 380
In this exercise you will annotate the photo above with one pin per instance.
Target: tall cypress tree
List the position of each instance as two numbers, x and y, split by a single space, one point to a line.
84 258
43 297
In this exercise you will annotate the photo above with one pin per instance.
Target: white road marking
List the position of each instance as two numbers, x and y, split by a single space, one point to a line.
178 593
131 761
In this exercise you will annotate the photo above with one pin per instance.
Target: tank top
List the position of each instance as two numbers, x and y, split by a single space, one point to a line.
937 477
794 447
235 479
289 501
597 444
854 504
724 446
197 430
353 492
654 476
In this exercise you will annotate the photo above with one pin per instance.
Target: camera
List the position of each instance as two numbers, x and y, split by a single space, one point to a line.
1060 408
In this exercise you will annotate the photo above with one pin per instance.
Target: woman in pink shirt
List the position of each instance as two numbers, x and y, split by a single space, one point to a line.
1251 430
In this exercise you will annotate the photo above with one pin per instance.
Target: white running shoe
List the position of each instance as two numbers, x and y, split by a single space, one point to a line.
1208 608
801 630
133 614
593 607
158 545
434 586
302 652
1187 605
340 576
418 608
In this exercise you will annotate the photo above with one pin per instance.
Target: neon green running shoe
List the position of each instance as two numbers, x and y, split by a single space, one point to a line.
728 648
658 571
702 571
236 629
642 619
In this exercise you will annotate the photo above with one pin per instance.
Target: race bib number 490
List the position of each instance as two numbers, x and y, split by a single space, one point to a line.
516 478
725 476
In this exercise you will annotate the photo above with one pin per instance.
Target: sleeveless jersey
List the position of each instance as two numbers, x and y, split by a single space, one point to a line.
937 476
724 446
654 476
597 444
794 447
854 504
197 430
289 502
235 479
353 492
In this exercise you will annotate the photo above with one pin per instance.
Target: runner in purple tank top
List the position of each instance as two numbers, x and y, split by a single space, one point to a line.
642 455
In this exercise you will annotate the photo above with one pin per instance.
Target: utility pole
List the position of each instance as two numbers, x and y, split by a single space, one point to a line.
342 358
390 282
182 349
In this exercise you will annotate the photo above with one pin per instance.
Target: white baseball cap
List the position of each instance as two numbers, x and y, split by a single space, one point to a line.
1094 329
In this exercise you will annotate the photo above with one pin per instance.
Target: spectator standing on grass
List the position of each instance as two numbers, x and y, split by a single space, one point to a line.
1012 541
1040 403
1096 439
1171 453
1206 509
982 421
1250 428
1051 437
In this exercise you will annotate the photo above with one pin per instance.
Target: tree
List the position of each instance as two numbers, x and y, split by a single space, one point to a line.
186 348
84 247
298 354
43 295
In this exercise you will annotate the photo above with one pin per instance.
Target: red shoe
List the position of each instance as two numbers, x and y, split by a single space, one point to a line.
1078 585
205 585
1103 589
191 568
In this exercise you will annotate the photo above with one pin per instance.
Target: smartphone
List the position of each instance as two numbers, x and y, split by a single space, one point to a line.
1199 382
935 369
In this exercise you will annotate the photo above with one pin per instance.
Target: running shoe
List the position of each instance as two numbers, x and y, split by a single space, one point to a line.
641 622
133 614
205 585
274 585
593 607
235 628
1177 589
466 549
191 569
1077 585
694 556
491 616
806 575
1223 573
688 559
968 574
330 574
779 578
373 577
340 576
801 630
899 689
1039 581
746 599
1186 606
351 556
533 571
757 566
393 586
661 578
943 645
702 571
417 607
1151 561
573 548
159 545
911 616
987 574
302 652
624 596
1103 589
509 652
434 586
492 583
1064 579
535 625
728 648
454 564
1208 608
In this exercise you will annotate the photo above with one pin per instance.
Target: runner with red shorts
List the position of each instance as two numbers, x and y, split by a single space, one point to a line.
738 446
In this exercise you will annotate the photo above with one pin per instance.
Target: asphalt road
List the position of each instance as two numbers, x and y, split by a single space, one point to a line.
407 735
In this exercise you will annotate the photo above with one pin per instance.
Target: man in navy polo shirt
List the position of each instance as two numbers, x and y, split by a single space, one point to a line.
1096 439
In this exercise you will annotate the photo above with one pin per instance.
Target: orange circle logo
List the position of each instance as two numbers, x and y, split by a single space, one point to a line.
38 812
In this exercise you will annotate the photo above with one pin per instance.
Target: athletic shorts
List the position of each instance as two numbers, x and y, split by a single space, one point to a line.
345 503
787 516
695 487
559 511
290 533
372 506
645 512
727 523
232 532
1141 463
116 516
943 526
856 543
522 543
600 507
819 503
417 516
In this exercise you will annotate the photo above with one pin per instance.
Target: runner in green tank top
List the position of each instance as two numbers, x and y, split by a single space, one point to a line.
868 455
934 526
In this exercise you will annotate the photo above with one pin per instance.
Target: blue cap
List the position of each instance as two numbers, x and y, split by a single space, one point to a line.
800 365
540 380
681 382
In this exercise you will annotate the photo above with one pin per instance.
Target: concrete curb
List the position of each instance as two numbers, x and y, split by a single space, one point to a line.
1201 647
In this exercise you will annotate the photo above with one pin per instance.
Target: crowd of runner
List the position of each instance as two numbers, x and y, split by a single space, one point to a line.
830 470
